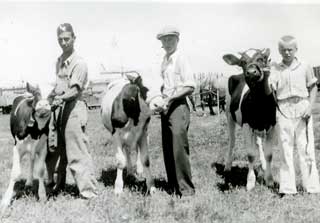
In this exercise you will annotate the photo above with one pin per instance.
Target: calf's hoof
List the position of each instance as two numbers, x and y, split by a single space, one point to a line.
269 181
227 167
139 177
152 190
139 170
251 181
118 191
263 165
42 197
3 206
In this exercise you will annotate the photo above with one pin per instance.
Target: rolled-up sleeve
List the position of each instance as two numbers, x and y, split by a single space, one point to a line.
79 75
310 76
274 77
186 73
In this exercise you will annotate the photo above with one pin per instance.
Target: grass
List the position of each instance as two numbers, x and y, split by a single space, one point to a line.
215 201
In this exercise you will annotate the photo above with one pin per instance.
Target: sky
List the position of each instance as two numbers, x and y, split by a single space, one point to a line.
122 35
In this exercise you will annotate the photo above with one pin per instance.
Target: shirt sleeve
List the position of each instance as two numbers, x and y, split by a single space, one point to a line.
186 73
274 76
79 75
310 76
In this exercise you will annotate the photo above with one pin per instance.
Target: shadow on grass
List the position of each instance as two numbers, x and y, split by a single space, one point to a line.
237 177
68 189
132 182
22 190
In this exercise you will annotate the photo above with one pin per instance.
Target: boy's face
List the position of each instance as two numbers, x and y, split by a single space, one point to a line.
66 41
169 43
288 51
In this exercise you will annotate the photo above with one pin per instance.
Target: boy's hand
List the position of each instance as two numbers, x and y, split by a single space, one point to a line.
307 114
266 71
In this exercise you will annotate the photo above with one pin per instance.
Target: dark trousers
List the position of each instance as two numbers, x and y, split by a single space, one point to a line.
174 125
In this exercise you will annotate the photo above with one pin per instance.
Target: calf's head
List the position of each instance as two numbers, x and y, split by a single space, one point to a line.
152 98
42 113
36 93
41 107
134 96
136 80
254 63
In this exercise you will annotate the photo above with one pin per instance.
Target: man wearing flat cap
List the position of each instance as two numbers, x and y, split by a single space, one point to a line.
71 78
178 83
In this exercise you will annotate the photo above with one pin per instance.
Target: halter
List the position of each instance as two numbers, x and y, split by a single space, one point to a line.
21 102
254 64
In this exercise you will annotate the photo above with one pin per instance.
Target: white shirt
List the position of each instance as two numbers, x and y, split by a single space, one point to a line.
292 81
176 74
73 71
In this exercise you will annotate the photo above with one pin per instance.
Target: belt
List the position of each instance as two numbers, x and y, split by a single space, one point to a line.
294 100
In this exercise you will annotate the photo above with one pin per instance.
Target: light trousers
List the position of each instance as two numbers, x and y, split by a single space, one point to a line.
296 133
73 145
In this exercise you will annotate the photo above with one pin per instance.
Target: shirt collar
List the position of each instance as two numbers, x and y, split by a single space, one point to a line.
294 65
172 57
68 61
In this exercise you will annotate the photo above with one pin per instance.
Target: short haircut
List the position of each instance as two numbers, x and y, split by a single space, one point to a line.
65 27
287 39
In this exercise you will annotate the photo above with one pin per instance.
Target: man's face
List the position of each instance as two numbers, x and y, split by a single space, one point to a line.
169 43
66 41
288 51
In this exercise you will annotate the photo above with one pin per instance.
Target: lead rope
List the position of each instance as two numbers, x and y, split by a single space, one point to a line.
308 157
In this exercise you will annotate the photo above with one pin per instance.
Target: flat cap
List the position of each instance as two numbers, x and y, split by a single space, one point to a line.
168 30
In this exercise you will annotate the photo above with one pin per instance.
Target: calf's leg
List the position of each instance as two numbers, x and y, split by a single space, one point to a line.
261 153
15 174
251 145
270 142
144 155
41 150
229 154
121 164
31 150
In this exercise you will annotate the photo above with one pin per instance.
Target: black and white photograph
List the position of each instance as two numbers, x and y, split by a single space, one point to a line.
160 111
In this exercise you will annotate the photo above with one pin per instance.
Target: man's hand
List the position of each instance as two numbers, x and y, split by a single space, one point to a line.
307 114
57 101
167 102
158 104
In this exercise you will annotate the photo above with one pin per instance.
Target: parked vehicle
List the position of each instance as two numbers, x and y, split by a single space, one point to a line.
7 95
93 94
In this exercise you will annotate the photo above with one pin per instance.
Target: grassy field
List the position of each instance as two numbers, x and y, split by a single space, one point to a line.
215 201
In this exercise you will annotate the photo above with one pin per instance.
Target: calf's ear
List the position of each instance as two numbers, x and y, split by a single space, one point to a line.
32 89
231 59
30 101
266 52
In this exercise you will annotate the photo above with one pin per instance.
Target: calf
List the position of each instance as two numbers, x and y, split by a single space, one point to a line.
29 120
126 115
251 104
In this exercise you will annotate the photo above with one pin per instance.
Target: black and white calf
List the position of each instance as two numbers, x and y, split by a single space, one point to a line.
126 114
30 137
251 104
